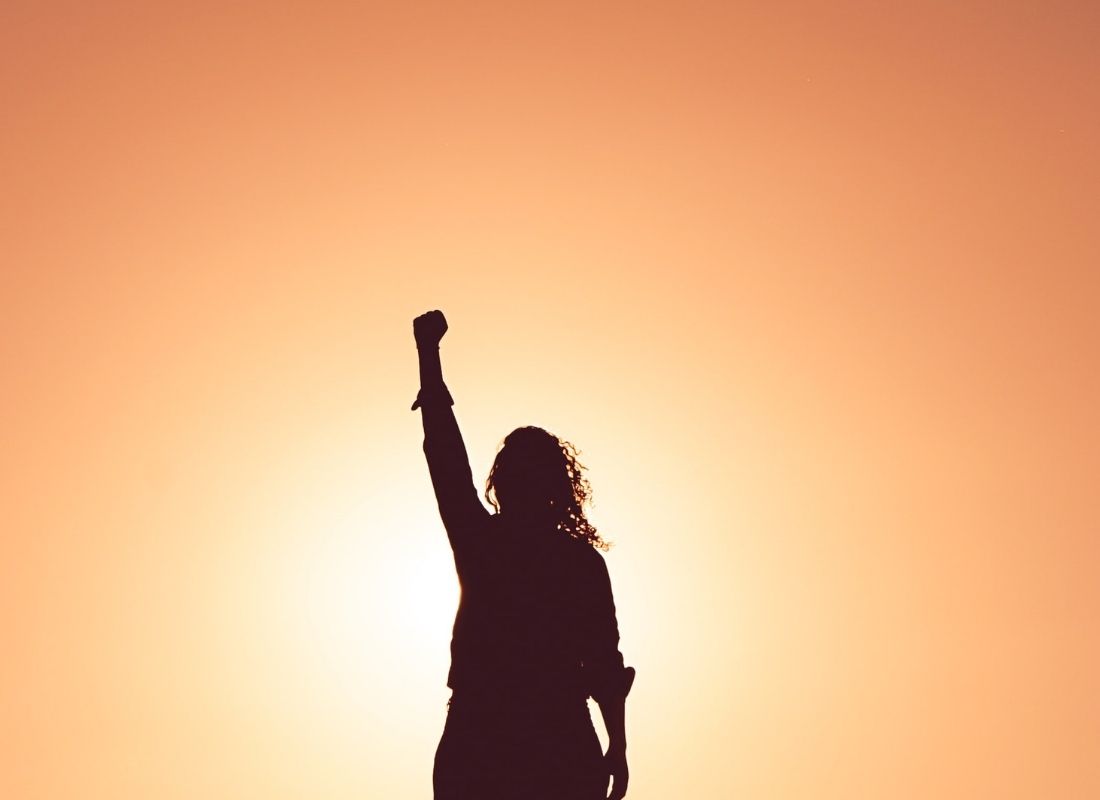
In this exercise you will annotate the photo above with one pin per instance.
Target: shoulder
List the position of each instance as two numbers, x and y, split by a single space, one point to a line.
586 557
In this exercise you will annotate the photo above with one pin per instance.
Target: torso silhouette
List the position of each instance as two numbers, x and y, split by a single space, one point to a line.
536 617
534 636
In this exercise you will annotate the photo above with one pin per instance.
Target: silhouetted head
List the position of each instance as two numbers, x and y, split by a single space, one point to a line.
536 476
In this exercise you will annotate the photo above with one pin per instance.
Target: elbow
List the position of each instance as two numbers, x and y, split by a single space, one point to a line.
611 683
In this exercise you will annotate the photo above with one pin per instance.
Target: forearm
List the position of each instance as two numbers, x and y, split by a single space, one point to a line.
441 433
431 370
612 702
613 711
433 391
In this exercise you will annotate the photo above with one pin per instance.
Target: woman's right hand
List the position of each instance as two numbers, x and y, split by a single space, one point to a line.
615 763
429 328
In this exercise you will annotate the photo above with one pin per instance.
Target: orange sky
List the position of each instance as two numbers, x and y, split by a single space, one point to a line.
813 286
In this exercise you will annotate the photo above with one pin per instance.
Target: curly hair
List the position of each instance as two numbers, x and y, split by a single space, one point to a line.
543 469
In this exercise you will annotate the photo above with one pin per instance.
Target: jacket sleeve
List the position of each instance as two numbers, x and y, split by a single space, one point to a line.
606 676
459 506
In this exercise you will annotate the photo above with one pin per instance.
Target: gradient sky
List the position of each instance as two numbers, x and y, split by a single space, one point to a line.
813 286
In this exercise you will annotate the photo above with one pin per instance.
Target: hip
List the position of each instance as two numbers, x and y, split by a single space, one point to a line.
506 750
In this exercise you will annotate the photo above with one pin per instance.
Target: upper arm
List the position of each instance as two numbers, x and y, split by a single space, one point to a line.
608 678
460 507
601 646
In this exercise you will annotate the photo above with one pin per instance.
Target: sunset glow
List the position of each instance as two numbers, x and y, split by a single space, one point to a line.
813 287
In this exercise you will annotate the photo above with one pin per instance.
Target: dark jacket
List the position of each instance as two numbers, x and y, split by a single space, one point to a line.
536 618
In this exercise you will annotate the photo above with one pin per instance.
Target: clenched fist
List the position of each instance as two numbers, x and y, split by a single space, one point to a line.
429 328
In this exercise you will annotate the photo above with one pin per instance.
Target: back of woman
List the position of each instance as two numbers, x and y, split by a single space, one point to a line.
518 723
529 614
535 634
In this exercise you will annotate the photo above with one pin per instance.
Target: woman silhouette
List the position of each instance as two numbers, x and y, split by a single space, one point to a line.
535 634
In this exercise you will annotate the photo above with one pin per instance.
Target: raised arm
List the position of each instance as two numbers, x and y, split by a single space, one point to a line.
459 506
